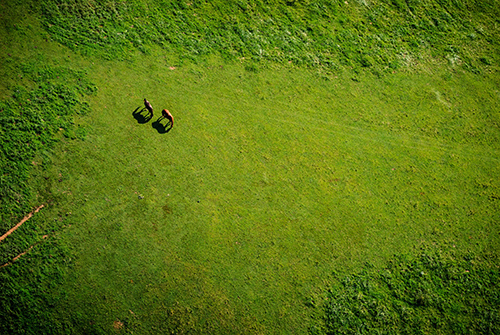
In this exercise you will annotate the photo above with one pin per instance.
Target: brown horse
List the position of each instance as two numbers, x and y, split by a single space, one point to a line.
166 114
148 107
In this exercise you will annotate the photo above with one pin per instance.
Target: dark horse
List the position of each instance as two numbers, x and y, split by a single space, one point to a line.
148 107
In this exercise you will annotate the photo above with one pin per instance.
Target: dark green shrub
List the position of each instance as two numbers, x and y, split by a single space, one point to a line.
427 294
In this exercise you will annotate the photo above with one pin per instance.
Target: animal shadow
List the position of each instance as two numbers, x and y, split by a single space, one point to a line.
160 128
142 115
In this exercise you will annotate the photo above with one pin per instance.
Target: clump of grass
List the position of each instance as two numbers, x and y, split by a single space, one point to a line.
381 37
429 293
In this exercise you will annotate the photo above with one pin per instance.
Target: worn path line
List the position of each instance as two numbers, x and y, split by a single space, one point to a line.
26 218
405 139
22 253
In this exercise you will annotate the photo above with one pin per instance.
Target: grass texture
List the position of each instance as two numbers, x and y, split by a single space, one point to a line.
328 35
288 197
428 294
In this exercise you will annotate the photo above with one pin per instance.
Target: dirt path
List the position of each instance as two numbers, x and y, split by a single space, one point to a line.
26 218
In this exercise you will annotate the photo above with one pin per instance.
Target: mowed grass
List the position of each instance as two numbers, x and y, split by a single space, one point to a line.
268 183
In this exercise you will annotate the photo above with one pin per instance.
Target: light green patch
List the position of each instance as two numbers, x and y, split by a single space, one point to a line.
267 182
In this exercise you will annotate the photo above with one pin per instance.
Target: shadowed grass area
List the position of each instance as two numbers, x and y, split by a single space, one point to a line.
275 182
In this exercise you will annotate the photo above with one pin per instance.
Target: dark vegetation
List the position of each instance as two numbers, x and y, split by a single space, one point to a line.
382 36
31 121
27 291
427 294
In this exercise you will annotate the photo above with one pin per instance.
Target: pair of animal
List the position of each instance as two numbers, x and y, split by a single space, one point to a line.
164 113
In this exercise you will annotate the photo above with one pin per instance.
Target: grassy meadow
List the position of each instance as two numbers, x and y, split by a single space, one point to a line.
333 167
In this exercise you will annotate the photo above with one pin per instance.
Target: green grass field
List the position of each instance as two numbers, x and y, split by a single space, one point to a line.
284 174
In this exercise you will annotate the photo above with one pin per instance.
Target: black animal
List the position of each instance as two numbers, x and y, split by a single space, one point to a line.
148 107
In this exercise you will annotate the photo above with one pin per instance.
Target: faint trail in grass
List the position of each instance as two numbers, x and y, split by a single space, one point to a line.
413 140
393 139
